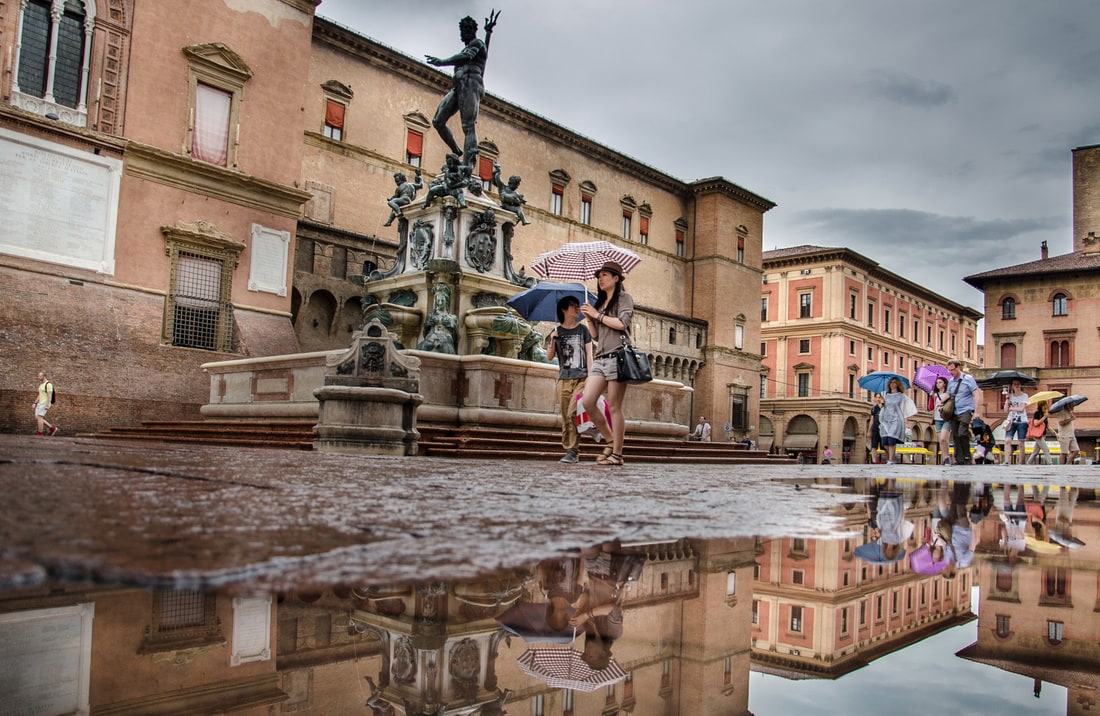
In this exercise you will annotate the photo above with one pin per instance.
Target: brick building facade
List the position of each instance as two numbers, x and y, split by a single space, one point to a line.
830 316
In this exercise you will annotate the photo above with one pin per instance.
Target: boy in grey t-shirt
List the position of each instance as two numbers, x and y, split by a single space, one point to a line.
571 344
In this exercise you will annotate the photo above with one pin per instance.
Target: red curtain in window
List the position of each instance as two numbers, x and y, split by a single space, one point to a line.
740 243
334 114
210 140
643 224
414 144
679 236
485 168
559 190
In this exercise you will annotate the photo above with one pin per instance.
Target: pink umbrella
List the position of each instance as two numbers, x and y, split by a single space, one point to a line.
921 561
926 375
579 262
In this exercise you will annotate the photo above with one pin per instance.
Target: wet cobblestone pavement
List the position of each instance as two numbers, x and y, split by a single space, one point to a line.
133 513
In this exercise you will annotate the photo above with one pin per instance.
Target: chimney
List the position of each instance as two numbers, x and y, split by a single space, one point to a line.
1043 250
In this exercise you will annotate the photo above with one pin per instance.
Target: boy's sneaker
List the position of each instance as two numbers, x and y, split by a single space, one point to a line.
570 456
54 431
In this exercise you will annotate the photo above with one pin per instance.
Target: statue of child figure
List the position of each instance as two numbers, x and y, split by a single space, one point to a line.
452 179
510 199
403 195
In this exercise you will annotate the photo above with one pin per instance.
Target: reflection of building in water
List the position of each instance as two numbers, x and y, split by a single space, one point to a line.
400 649
1037 615
819 611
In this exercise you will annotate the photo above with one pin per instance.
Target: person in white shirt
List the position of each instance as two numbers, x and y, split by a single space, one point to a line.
702 430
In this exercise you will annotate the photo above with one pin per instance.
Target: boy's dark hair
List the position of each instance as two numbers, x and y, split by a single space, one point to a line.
564 303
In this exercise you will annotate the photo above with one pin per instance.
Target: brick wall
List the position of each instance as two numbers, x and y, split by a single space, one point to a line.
101 347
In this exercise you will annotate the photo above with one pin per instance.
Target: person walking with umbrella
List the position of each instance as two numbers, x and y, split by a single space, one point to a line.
1067 435
1038 432
1015 402
943 426
896 409
874 434
571 344
609 319
962 386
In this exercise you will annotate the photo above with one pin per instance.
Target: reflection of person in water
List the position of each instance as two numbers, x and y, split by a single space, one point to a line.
562 581
963 517
600 608
886 523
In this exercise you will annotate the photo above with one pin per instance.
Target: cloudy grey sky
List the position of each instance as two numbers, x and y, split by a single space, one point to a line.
933 137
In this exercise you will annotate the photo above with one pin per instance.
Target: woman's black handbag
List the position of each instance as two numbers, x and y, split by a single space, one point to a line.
631 365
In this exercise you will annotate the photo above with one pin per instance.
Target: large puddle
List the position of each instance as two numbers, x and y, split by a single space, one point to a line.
887 595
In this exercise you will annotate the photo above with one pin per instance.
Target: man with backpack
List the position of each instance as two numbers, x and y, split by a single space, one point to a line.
42 404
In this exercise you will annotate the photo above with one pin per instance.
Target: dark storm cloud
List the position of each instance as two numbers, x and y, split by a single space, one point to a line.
908 90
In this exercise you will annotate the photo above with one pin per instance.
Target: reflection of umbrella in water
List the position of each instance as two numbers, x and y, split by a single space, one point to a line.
579 262
872 552
876 381
528 621
565 669
1047 395
925 377
922 562
1064 540
1060 405
540 303
1005 377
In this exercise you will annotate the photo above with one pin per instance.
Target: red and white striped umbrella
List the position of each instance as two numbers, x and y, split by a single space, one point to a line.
565 669
579 262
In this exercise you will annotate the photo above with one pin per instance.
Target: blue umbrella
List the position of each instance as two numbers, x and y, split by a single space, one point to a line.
540 303
1060 405
876 381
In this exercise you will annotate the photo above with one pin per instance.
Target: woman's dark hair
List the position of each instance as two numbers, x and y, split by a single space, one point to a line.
610 306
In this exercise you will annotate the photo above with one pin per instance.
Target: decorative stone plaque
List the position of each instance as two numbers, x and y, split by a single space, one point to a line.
45 660
60 204
268 257
251 630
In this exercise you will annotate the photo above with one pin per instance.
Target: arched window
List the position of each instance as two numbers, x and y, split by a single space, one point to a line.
54 51
1060 304
1059 354
1008 309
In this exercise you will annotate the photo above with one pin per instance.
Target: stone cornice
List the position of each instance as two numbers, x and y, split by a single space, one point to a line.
306 6
25 122
718 185
157 165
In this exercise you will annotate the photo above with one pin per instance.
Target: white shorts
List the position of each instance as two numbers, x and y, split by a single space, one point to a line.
40 409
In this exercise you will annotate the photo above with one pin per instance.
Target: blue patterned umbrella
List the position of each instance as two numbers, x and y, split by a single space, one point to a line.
540 302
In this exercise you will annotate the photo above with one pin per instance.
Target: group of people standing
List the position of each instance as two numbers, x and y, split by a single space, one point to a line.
960 424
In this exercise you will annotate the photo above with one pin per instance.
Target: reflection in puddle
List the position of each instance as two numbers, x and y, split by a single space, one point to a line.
883 615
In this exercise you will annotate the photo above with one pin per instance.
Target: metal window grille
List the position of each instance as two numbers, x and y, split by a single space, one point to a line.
200 318
182 617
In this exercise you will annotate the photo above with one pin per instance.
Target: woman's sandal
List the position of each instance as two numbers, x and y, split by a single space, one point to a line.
610 459
607 452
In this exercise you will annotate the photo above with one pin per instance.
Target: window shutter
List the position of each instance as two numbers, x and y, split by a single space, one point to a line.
334 114
415 144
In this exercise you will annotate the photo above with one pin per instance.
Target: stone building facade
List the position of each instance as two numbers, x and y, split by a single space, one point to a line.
1041 315
149 224
830 316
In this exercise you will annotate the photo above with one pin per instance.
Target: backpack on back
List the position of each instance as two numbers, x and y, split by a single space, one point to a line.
53 393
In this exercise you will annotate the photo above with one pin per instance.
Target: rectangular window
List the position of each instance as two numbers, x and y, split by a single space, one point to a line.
851 385
485 172
852 306
803 385
886 357
901 362
870 353
851 348
1054 631
954 341
798 576
756 611
805 305
197 308
886 320
628 220
210 142
334 120
679 243
740 249
556 193
731 584
844 620
969 348
804 345
739 337
871 314
763 349
1004 625
916 330
414 147
901 325
763 387
796 619
643 230
586 210
941 340
739 410
929 332
764 309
